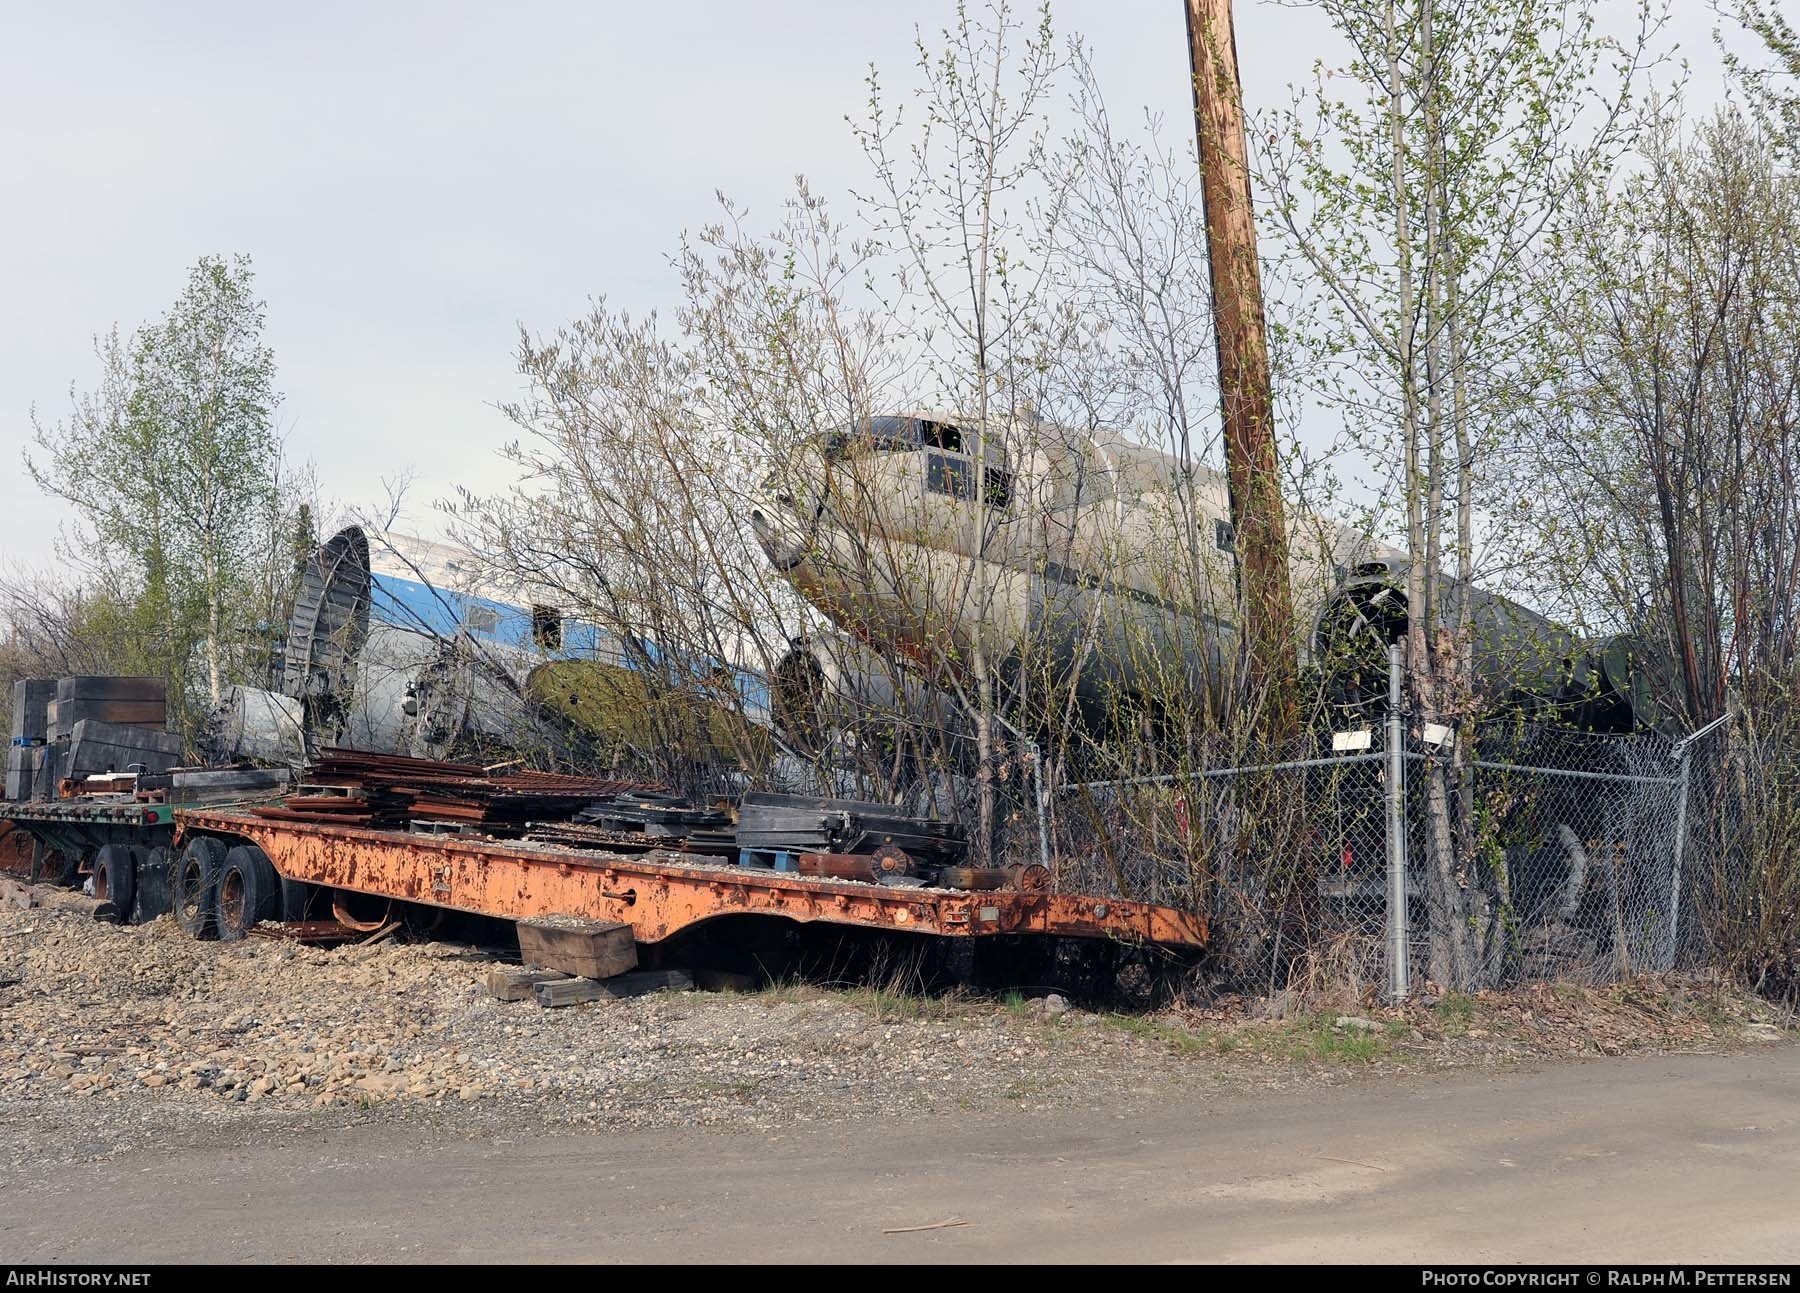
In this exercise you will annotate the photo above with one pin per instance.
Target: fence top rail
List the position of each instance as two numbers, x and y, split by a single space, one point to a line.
1168 778
1340 760
1538 770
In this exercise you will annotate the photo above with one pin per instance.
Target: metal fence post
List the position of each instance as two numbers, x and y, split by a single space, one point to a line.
1684 752
1043 826
1681 812
1399 939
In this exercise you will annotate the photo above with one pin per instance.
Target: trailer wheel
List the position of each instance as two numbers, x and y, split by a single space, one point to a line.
196 886
115 877
249 892
297 899
156 883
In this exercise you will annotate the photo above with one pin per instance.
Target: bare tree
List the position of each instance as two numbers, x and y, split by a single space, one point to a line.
1671 433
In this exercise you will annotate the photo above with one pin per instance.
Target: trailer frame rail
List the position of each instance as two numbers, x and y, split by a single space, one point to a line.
661 894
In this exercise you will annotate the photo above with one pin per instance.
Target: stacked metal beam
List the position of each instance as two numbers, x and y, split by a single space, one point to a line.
356 787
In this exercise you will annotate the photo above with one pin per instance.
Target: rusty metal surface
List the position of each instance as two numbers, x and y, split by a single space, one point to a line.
373 789
305 931
660 894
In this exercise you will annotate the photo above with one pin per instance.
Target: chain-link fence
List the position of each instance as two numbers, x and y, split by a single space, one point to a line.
1402 853
1531 852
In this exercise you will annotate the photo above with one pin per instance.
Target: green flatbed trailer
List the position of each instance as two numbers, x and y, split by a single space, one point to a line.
75 829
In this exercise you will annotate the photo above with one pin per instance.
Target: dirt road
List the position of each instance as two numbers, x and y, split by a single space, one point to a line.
1674 1158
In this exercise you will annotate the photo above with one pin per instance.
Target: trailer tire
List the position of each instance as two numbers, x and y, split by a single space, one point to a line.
297 898
155 883
196 886
115 877
249 892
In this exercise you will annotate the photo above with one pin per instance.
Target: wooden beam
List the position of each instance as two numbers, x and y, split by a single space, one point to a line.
1259 526
573 992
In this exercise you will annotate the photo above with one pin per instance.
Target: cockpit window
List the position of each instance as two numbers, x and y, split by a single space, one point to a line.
894 435
955 475
952 476
941 435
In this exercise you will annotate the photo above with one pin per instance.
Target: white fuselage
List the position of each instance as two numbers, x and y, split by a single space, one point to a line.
1087 560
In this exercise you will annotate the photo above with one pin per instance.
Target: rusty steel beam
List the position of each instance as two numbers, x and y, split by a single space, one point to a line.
659 895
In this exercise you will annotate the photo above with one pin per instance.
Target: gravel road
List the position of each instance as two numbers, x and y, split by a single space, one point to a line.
1672 1159
359 1103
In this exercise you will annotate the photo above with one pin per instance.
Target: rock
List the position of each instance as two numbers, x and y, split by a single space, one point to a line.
1357 1024
155 1079
1281 1005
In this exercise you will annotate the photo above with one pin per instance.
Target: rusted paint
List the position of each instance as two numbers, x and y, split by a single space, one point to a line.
660 894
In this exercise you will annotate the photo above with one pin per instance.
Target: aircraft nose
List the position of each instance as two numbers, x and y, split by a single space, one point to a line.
782 541
786 511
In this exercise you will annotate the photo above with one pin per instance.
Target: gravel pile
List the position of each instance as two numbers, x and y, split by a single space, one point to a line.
109 1015
110 1035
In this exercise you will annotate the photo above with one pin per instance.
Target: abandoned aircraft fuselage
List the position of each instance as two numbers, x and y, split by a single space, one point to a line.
1083 561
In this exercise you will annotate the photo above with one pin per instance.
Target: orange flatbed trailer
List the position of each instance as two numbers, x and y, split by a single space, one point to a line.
660 893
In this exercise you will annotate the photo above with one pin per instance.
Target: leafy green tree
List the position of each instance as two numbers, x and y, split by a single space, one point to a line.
1416 183
1773 84
174 467
1667 449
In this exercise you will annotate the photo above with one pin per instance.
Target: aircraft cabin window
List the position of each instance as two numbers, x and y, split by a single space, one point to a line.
999 488
895 435
952 476
955 476
546 627
941 435
1225 535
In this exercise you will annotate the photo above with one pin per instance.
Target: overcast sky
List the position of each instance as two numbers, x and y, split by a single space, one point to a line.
413 181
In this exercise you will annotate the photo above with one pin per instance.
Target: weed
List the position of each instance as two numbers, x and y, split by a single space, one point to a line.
1168 1034
899 1005
1455 1011
1318 1038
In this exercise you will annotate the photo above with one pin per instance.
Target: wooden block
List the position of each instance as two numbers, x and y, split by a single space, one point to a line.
518 983
573 992
646 981
592 949
569 992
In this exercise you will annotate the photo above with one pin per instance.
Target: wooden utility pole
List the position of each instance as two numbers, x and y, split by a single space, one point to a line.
1243 348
